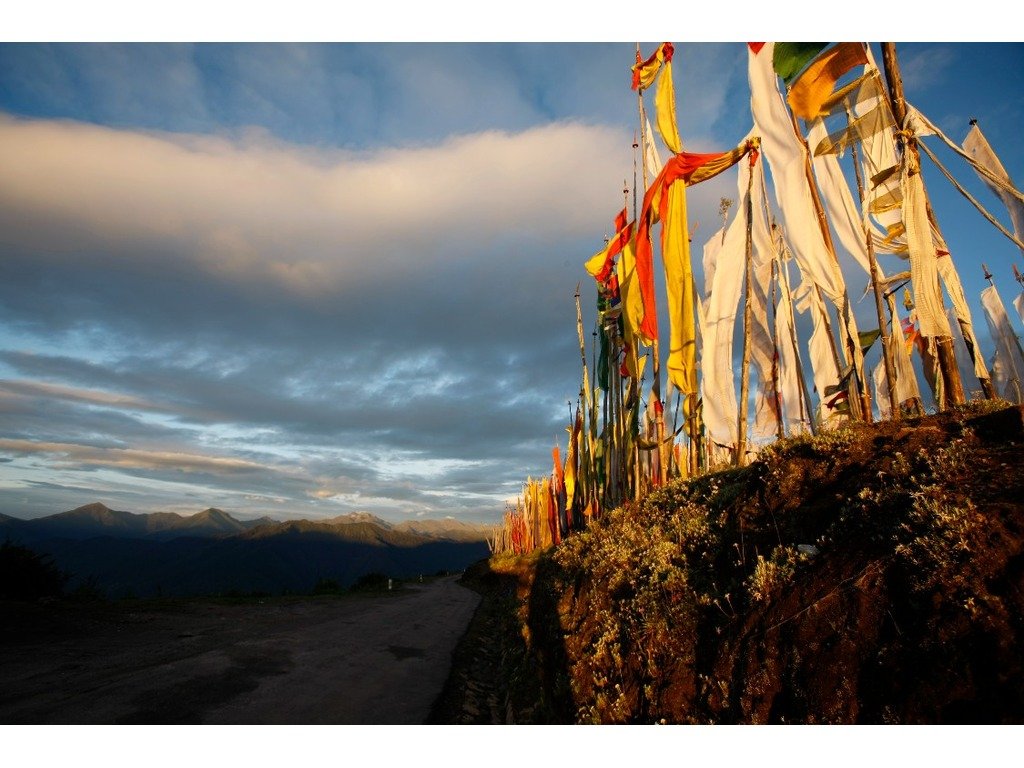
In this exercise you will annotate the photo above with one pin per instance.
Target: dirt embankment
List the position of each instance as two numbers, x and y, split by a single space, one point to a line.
869 575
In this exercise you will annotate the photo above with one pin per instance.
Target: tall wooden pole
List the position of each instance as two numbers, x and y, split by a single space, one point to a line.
952 387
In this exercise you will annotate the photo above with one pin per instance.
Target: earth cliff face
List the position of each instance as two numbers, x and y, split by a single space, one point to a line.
869 575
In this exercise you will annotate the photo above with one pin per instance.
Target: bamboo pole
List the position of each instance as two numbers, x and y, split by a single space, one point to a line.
597 490
890 366
952 387
621 423
986 383
780 430
656 383
741 434
615 411
805 405
829 331
583 482
917 406
690 404
633 351
860 402
606 438
1016 338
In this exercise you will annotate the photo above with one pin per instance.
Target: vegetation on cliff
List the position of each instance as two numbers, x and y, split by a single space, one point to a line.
869 574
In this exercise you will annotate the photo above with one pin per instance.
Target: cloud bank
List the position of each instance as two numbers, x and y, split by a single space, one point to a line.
365 329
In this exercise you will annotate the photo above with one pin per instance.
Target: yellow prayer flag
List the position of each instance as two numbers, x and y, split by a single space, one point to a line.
629 291
596 263
675 251
665 110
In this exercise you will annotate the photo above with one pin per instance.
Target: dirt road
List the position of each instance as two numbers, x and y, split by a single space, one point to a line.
351 660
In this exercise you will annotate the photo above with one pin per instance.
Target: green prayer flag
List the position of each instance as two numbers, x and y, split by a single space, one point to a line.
791 58
602 362
867 338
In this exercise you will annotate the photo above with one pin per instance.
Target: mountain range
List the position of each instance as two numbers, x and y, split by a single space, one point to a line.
124 553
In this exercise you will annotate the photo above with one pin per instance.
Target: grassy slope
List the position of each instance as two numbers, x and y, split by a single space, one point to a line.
699 604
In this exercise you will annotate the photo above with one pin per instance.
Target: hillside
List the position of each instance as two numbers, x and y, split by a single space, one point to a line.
873 574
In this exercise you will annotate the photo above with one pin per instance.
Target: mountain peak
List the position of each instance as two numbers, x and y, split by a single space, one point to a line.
96 508
214 519
212 513
99 512
447 529
359 517
94 518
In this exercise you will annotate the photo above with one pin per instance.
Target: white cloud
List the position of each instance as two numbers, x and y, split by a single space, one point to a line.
311 221
39 389
130 458
923 68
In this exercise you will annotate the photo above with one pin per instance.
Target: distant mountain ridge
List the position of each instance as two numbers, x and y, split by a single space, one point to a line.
125 553
97 519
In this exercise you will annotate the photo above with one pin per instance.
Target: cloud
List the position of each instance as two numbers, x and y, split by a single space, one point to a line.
93 456
352 95
349 269
91 396
407 343
309 222
925 67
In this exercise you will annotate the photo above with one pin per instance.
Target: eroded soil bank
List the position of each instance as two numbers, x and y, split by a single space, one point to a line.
869 575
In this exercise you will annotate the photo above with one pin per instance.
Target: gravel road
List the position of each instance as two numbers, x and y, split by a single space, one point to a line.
357 659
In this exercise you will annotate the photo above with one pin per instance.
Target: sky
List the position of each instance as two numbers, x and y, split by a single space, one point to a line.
303 280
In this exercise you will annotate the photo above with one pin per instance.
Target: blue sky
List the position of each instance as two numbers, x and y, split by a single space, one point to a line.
302 280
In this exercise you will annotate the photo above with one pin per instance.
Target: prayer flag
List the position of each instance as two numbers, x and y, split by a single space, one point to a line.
789 59
600 264
690 168
978 147
644 72
815 85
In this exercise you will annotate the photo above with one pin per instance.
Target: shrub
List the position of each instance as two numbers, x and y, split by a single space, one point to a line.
371 581
772 575
28 575
325 586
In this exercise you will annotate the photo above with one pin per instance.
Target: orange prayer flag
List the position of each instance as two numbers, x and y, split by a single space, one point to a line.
690 168
600 264
644 72
813 88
